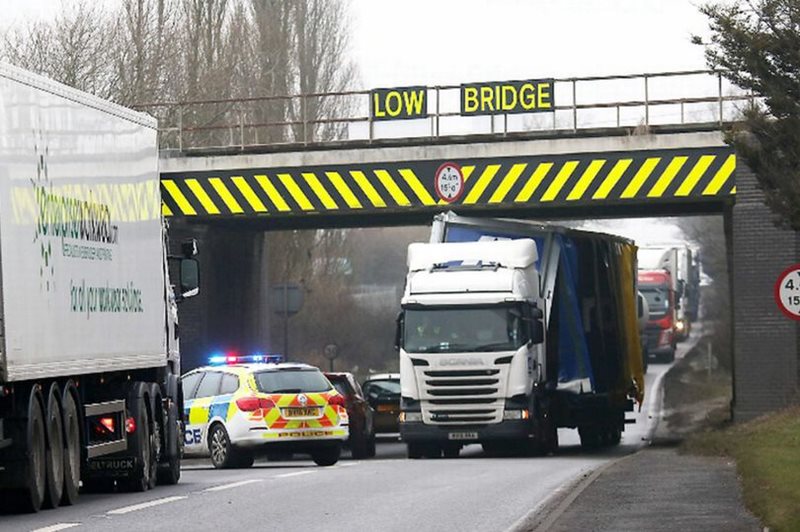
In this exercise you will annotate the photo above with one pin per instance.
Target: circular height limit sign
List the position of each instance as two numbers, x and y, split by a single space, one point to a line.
787 292
449 182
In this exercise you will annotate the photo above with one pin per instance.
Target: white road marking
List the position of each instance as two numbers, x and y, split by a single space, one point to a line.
233 485
295 474
56 527
144 505
348 464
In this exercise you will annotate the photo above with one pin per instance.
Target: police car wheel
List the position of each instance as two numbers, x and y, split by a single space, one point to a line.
219 444
327 456
242 459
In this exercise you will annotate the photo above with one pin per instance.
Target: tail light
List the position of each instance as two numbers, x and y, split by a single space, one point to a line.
336 400
108 423
130 425
251 404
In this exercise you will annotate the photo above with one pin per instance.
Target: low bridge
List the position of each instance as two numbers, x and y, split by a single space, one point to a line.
230 194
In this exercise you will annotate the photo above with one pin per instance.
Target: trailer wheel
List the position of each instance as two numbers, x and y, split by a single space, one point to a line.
72 446
55 450
29 498
142 442
169 471
156 434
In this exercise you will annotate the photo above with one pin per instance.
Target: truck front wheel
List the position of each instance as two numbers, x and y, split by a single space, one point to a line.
415 450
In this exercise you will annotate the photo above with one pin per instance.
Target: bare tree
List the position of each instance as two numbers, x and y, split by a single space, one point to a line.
321 66
72 49
271 76
144 56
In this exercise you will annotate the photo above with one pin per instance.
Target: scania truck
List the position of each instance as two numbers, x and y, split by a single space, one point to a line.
510 330
89 360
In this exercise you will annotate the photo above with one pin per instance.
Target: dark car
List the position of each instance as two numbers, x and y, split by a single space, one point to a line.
362 435
383 394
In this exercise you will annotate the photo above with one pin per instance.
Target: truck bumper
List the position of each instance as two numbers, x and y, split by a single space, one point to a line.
505 430
656 352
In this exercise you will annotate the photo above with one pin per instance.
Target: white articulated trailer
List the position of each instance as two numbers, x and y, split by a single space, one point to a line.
89 360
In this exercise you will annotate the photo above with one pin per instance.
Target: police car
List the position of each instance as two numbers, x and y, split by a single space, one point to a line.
240 405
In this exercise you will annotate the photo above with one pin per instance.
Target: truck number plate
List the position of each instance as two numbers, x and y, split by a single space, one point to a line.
463 435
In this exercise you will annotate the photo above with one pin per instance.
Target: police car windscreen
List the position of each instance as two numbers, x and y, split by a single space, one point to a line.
292 381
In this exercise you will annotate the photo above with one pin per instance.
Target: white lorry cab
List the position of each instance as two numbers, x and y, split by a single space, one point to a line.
89 355
510 330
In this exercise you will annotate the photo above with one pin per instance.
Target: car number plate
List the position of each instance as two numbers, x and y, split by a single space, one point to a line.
300 412
463 435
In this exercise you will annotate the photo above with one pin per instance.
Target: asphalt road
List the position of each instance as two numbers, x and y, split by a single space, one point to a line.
389 492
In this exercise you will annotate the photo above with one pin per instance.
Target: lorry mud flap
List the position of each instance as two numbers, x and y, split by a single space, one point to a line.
113 467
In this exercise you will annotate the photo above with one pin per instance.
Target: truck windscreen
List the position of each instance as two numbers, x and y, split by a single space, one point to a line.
657 300
467 329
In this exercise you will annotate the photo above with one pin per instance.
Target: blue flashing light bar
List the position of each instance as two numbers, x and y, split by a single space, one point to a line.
218 359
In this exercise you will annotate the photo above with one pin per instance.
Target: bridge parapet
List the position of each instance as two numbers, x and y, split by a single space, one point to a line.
626 102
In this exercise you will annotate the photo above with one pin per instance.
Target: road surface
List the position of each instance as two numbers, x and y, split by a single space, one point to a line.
389 492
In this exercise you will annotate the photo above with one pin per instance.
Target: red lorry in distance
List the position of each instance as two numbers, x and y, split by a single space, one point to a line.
656 287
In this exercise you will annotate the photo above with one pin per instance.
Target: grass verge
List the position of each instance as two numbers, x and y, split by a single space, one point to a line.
767 455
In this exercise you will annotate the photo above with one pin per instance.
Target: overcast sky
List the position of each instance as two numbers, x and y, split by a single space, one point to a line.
429 42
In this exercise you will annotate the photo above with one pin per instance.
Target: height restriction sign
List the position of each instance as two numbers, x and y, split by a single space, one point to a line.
449 182
787 292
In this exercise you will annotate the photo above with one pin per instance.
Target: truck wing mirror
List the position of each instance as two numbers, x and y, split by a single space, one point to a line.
190 278
536 331
189 248
398 333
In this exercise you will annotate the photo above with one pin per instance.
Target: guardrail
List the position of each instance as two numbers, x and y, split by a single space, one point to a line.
620 101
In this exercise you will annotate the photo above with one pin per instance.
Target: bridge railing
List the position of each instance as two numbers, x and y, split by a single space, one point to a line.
620 101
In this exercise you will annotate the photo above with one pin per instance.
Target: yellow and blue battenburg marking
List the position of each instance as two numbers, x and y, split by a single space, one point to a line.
588 179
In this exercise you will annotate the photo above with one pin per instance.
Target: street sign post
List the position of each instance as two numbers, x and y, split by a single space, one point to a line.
287 300
331 352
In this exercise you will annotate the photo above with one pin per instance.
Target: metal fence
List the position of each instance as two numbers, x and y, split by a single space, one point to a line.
622 101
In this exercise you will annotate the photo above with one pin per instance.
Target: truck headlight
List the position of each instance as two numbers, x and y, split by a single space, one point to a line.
410 417
516 414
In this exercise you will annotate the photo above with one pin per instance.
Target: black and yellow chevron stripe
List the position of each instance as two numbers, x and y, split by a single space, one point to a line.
639 177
